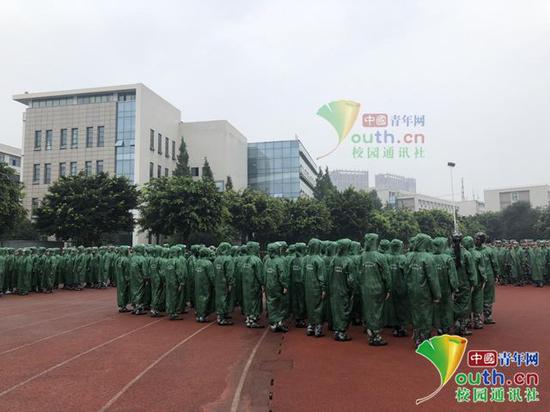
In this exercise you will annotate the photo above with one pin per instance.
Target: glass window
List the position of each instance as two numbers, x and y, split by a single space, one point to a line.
49 139
63 139
194 171
88 167
74 168
166 171
74 138
152 140
160 143
89 136
47 173
36 173
173 150
100 136
159 171
166 147
37 139
151 170
99 166
62 169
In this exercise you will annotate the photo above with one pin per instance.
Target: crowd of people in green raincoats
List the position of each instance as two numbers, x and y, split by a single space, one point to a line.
442 285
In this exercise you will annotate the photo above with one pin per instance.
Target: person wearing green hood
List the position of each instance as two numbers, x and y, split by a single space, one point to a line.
224 271
474 247
181 277
539 263
387 313
174 281
466 282
374 282
314 277
237 291
204 277
190 281
357 309
341 286
252 285
297 291
24 272
158 262
137 268
490 265
422 288
122 271
276 288
398 295
448 282
330 253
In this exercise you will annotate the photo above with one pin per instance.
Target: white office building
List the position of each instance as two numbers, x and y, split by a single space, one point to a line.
499 199
12 157
413 201
343 179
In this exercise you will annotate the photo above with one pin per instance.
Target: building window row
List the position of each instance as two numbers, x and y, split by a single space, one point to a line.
95 136
159 144
73 170
159 171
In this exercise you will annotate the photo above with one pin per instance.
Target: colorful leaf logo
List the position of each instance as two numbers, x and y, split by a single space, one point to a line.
445 353
341 114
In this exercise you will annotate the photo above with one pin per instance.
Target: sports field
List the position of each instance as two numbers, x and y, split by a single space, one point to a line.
72 351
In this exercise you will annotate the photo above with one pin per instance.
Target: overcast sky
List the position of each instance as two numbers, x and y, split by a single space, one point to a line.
479 71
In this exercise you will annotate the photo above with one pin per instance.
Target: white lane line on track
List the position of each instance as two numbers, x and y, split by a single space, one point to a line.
53 336
44 372
49 320
148 368
244 374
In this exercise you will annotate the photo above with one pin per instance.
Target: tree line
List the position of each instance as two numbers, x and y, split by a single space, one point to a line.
87 210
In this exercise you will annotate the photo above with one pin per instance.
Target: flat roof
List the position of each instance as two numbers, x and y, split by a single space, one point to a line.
502 189
26 97
11 150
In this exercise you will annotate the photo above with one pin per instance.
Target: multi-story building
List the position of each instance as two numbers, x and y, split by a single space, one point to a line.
414 201
394 183
343 179
499 199
223 145
12 157
470 207
281 169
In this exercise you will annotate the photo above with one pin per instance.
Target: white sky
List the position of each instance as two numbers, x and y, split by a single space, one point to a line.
478 70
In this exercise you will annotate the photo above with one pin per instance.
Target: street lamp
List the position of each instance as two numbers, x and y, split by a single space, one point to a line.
451 167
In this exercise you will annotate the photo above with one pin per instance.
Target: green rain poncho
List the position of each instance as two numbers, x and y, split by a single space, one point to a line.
422 285
374 282
399 298
490 265
252 281
539 264
448 282
174 283
204 283
224 269
479 273
276 284
467 279
314 276
137 270
341 286
122 270
297 290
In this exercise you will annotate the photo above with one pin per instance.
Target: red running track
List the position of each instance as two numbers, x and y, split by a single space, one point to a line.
72 351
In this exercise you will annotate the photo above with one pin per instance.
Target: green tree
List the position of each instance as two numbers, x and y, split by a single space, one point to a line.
323 185
395 224
435 222
519 220
180 207
84 208
351 213
256 215
11 194
303 219
207 171
229 183
543 224
23 229
182 165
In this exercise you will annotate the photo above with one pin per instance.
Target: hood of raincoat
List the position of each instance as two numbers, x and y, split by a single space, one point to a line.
314 246
224 249
331 248
355 248
468 242
253 248
300 248
439 244
396 247
423 243
384 246
344 246
371 242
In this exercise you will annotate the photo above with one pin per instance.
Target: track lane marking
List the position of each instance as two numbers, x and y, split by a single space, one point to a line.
44 372
244 374
148 368
25 345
